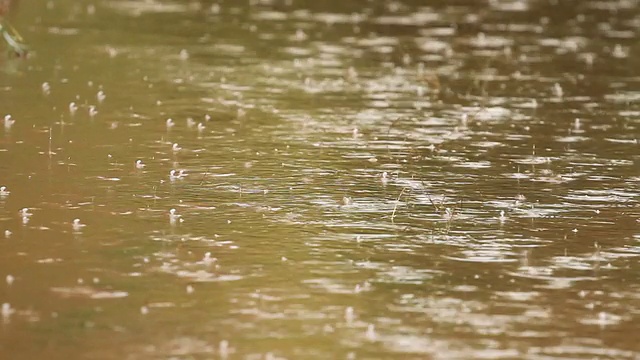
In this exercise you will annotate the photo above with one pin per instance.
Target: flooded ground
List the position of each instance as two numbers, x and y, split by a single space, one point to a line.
352 180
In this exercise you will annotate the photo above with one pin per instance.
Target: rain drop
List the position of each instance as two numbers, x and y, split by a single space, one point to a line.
371 333
8 121
77 225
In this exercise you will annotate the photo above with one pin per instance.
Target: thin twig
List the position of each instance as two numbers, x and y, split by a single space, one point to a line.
204 176
395 208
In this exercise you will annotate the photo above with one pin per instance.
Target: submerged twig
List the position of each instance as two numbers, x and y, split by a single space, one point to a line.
206 172
395 208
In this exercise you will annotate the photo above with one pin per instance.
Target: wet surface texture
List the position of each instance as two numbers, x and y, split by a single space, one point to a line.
381 180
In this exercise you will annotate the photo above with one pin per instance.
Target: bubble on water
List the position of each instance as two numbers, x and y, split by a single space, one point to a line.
10 279
190 289
184 54
144 310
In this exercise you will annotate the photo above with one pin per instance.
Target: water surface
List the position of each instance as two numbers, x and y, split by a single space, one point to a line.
380 180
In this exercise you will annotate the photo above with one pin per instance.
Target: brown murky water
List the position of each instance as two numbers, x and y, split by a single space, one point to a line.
364 180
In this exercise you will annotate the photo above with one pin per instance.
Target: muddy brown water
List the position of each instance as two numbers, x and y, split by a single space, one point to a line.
364 180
